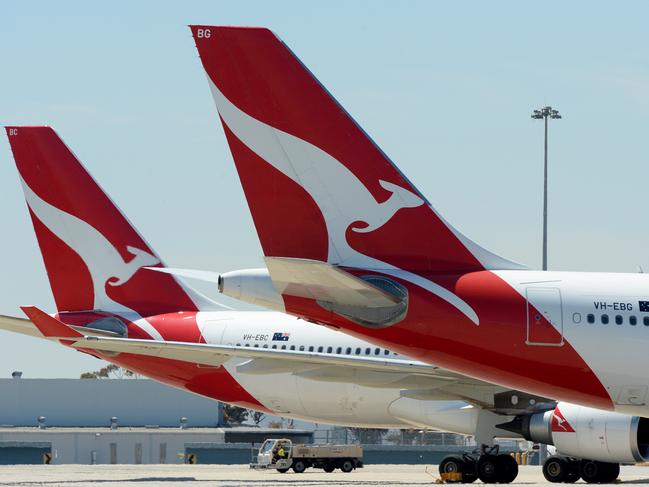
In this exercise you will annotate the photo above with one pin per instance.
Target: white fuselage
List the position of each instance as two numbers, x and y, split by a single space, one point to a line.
601 316
320 394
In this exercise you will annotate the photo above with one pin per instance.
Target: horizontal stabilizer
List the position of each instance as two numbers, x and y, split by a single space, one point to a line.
50 327
325 282
19 325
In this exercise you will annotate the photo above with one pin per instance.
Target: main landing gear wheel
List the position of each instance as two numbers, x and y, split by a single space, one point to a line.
594 472
282 470
461 464
507 469
453 464
556 469
328 468
347 466
488 468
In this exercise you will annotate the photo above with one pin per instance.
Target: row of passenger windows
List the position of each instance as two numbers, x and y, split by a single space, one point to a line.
605 319
338 350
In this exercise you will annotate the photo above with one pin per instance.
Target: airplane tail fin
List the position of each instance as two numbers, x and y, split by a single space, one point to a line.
94 257
317 186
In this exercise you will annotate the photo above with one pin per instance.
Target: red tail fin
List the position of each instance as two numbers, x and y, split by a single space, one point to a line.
93 255
317 186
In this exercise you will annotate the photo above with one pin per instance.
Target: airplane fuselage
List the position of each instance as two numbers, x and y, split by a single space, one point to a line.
318 394
574 336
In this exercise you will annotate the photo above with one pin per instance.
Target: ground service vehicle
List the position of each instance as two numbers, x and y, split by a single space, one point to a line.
280 454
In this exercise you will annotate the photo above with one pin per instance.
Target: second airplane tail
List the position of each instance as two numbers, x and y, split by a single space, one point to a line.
94 257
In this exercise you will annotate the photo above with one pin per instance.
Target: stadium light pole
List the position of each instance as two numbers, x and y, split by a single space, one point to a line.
544 114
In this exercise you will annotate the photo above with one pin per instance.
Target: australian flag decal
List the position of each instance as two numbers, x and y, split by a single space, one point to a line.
283 337
644 306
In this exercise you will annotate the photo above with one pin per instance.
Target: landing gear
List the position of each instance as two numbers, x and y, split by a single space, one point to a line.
488 466
594 472
461 465
560 469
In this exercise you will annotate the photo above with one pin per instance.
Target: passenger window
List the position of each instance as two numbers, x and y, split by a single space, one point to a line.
377 351
292 347
247 345
633 320
320 349
618 320
310 349
645 321
339 350
283 347
576 317
265 345
238 344
367 351
274 347
329 349
590 318
605 319
301 348
256 345
349 350
386 352
358 351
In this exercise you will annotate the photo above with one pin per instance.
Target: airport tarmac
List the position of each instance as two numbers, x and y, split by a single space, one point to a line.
241 475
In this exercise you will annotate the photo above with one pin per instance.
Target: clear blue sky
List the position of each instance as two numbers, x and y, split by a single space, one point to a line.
445 88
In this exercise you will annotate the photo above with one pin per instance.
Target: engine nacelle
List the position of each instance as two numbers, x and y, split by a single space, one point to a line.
253 286
583 432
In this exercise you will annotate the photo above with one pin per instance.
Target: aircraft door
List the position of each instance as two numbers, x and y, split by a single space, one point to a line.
544 316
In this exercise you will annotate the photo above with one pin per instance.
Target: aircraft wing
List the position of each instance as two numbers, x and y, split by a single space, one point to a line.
417 380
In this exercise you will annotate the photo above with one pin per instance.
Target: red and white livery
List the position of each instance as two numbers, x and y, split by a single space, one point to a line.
327 202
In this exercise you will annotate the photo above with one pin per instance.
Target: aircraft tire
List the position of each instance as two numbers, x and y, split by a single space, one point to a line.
594 472
453 464
555 469
487 468
507 469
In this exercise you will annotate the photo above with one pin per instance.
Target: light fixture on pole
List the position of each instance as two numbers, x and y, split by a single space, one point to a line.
544 114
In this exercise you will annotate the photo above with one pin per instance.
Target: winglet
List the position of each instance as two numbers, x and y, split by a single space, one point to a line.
50 327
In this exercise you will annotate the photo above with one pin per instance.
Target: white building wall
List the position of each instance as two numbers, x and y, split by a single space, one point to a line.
77 446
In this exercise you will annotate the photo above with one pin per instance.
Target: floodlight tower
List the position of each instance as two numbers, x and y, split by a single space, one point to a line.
544 114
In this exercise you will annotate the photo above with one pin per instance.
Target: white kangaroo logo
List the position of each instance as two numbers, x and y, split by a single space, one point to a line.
341 197
104 262
342 203
142 259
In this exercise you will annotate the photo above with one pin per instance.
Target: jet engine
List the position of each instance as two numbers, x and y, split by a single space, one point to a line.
583 432
252 286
